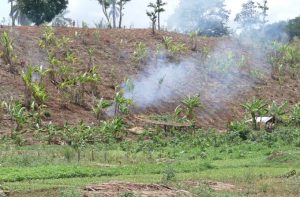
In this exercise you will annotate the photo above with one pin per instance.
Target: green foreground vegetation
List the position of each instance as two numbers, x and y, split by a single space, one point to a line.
256 163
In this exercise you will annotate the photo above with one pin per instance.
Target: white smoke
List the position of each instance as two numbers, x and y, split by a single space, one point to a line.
160 83
219 77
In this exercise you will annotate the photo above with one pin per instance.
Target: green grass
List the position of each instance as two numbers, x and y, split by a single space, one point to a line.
256 166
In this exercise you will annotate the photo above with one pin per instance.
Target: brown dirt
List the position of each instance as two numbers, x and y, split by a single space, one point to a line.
112 54
115 189
215 185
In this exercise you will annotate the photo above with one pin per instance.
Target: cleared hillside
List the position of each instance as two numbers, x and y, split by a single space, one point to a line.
224 72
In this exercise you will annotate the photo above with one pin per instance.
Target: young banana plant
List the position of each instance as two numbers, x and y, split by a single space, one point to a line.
191 102
100 106
255 108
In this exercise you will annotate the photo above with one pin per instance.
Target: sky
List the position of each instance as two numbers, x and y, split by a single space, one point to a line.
90 12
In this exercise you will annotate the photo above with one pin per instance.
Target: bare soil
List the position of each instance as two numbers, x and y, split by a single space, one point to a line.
116 189
113 54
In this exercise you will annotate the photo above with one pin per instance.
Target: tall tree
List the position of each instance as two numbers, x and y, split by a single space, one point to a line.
249 17
293 28
121 4
209 18
153 16
159 6
40 11
114 12
105 4
11 12
264 9
17 15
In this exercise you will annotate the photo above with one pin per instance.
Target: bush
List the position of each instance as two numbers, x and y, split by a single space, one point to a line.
293 27
169 174
295 117
240 128
8 50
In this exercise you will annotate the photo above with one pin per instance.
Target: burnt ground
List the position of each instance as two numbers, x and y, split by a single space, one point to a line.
113 54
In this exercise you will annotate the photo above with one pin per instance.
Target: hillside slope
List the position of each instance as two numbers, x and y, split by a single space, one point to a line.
194 72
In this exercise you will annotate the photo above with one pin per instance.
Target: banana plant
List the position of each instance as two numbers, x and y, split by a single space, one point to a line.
100 106
115 126
27 80
36 114
277 111
33 88
255 108
48 38
77 137
17 113
122 104
91 58
191 102
140 53
39 93
295 117
178 111
8 52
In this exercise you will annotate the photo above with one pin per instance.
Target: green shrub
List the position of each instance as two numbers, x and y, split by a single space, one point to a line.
255 108
17 113
240 128
8 51
191 102
140 53
295 117
169 174
100 106
293 27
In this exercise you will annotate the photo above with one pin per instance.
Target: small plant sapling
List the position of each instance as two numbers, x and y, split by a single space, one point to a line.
17 114
8 51
99 107
255 108
277 111
115 126
295 116
191 102
193 37
122 104
140 53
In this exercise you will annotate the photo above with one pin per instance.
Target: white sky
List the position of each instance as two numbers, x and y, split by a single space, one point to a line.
135 11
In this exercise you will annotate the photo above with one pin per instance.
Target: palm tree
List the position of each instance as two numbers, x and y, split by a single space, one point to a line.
105 4
16 14
159 6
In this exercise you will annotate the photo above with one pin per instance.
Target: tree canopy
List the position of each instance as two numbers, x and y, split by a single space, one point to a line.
293 27
41 11
207 17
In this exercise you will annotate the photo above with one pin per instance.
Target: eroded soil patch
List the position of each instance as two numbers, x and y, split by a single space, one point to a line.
116 189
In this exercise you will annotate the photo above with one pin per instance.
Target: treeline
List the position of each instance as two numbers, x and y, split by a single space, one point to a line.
207 18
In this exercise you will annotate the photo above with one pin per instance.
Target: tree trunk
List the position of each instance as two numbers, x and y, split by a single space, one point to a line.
121 15
114 13
11 14
106 15
254 121
158 21
27 97
153 28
